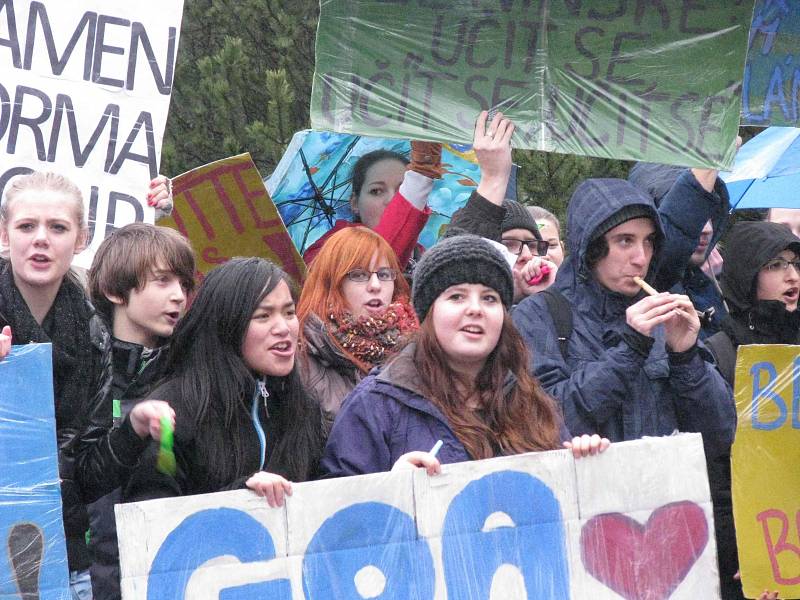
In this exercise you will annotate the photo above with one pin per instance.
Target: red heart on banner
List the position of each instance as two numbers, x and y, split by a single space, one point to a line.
645 562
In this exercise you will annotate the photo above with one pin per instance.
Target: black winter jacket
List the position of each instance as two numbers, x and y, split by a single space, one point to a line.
193 473
750 246
136 372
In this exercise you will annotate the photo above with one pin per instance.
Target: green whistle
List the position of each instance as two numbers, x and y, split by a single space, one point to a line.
166 457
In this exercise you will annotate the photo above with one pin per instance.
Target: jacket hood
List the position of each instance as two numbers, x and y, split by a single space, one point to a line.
750 245
656 180
593 202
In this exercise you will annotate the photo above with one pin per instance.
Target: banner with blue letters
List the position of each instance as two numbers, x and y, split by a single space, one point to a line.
635 522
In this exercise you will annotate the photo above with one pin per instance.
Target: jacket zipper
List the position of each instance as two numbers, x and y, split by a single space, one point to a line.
260 390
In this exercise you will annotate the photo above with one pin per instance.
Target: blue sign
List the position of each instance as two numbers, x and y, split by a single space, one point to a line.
33 556
771 92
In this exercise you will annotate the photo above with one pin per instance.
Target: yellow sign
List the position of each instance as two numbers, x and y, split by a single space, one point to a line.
766 469
224 210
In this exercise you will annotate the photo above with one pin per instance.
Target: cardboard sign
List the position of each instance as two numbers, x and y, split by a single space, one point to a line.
224 210
85 92
766 478
33 554
655 81
634 523
771 93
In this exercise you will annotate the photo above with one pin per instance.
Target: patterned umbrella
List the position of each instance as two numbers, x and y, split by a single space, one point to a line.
311 185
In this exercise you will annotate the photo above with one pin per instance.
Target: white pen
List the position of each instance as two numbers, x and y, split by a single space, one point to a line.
436 447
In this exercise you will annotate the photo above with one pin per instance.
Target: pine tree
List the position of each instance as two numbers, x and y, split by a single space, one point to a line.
243 81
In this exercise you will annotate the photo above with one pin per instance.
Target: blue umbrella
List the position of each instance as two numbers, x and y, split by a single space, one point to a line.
766 173
311 185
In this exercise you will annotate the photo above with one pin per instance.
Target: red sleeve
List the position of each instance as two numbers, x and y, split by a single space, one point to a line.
312 251
400 225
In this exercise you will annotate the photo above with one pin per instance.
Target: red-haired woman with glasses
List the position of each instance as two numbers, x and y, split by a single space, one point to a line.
354 312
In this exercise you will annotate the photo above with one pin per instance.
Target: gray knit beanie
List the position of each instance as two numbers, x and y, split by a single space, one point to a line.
455 260
518 217
624 214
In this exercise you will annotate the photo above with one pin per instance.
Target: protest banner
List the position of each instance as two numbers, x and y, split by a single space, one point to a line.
542 525
224 210
771 93
766 477
33 554
85 92
657 81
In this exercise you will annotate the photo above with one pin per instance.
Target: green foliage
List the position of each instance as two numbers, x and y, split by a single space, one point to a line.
547 179
243 81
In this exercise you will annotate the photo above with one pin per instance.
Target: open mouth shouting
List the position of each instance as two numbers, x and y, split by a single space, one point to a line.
375 306
473 331
40 260
282 349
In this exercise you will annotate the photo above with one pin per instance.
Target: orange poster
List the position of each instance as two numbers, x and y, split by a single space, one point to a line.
224 209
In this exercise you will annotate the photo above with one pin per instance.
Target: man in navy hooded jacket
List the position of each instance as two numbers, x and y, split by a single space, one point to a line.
632 365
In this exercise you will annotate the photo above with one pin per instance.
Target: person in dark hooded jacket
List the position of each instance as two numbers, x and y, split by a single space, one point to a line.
760 284
657 180
760 281
630 368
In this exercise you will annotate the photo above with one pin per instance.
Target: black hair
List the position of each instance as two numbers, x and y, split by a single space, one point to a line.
206 360
366 161
596 251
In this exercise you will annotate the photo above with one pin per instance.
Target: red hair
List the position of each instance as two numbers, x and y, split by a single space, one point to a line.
348 249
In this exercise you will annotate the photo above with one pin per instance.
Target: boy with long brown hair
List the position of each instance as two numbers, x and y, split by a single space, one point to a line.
139 283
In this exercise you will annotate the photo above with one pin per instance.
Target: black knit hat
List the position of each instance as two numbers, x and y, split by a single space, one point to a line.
626 213
518 217
455 260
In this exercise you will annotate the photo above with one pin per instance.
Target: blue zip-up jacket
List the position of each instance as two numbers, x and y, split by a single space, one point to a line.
615 381
386 416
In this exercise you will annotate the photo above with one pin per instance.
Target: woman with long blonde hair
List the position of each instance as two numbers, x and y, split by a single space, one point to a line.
354 311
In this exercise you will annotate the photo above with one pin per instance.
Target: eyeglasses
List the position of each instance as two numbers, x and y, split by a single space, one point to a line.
535 247
777 265
362 275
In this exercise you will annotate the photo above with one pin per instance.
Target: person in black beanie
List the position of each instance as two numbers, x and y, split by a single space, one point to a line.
760 283
463 380
490 214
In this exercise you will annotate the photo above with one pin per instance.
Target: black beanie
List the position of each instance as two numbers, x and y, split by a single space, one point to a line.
455 260
624 214
518 217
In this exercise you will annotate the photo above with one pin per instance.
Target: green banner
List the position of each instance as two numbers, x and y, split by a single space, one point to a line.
629 79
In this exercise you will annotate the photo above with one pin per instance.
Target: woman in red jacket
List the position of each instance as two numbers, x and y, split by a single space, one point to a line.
390 196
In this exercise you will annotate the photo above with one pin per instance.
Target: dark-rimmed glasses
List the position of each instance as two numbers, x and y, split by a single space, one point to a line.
535 247
362 275
778 265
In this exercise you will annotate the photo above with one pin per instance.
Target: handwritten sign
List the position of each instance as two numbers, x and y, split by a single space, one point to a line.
224 210
33 555
531 526
85 92
766 478
655 81
771 94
